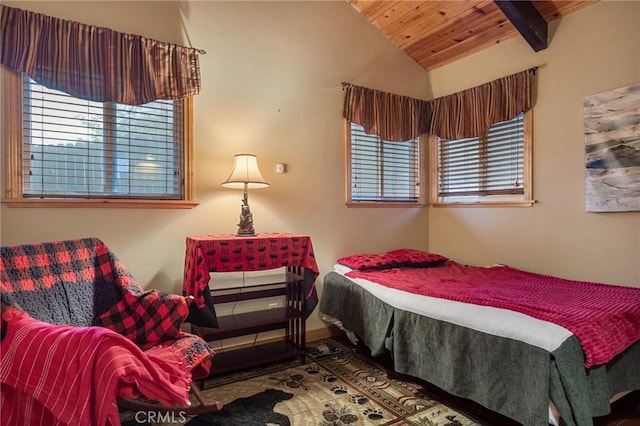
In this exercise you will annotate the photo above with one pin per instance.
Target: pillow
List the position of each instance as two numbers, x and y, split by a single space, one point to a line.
408 258
369 261
411 258
152 316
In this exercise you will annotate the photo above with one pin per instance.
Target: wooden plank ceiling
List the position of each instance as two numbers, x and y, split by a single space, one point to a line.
435 33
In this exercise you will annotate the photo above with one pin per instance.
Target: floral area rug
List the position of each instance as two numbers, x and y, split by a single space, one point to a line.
336 387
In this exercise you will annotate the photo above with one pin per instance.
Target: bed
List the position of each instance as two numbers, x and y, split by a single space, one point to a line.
549 348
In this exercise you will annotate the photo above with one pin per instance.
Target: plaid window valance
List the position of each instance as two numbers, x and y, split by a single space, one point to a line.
96 63
470 113
392 117
465 114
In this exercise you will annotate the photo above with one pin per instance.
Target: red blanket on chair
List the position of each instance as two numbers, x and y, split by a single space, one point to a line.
58 374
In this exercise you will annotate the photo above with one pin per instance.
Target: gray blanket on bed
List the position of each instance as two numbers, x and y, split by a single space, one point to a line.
507 376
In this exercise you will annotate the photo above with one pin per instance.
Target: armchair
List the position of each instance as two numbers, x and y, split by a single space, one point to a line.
80 336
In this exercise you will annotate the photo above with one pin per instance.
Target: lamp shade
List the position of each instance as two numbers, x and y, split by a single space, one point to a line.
245 171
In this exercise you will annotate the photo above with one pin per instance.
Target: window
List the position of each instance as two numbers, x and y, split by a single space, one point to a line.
492 169
62 149
382 172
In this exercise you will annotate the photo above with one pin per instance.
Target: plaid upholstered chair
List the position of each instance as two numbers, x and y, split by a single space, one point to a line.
78 331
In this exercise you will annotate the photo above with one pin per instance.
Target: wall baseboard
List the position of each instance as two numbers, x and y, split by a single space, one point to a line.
323 333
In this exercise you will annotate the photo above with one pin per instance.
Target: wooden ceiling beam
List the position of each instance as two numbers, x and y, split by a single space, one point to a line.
527 20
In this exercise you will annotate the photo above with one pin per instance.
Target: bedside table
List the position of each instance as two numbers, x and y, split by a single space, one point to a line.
208 254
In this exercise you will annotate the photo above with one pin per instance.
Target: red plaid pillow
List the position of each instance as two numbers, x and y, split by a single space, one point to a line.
148 317
417 258
369 261
393 259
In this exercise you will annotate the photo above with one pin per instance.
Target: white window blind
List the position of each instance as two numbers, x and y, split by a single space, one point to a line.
77 148
489 165
383 171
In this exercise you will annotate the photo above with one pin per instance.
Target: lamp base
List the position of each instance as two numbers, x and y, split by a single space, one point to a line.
245 226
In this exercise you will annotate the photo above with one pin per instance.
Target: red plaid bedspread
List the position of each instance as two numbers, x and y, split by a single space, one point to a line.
605 318
100 365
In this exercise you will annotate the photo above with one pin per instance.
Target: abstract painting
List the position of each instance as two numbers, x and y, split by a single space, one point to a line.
612 136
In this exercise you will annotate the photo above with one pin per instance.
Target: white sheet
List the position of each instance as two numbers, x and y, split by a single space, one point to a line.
496 321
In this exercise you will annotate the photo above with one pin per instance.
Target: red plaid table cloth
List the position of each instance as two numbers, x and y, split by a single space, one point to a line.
228 253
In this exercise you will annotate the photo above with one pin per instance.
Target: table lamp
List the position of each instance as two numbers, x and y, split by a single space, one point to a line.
245 174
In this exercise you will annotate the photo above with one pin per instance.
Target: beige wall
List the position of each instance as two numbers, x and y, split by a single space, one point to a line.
593 50
271 86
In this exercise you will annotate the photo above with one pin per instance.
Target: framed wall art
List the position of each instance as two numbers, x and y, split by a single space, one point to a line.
612 156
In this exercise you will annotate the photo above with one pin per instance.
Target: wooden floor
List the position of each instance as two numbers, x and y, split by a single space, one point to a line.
625 412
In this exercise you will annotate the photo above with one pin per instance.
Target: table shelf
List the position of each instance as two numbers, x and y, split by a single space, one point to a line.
248 323
248 357
215 254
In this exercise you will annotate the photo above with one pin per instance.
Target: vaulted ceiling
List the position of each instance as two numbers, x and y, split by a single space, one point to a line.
435 33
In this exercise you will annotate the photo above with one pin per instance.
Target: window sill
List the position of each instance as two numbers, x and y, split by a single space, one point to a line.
497 203
374 204
99 203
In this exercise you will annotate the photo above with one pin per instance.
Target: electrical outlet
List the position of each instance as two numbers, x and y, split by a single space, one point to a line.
273 305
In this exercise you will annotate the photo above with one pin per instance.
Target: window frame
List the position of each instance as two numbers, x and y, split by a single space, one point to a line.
512 200
349 202
12 144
